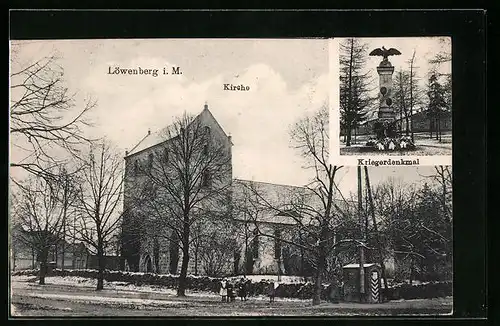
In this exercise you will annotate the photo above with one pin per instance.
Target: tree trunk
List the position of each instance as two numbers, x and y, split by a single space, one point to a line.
407 121
318 278
439 127
196 260
436 128
101 267
64 236
349 135
181 290
43 265
411 270
62 257
430 127
349 98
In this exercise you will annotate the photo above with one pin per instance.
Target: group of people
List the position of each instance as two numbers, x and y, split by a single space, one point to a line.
229 290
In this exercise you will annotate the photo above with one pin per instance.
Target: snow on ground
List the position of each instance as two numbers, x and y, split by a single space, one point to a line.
22 278
443 300
105 300
77 281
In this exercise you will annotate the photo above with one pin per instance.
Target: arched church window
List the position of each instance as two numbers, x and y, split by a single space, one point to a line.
206 130
165 154
150 161
136 167
255 244
277 244
206 178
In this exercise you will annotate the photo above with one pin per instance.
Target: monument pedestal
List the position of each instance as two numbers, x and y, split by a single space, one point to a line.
386 114
385 129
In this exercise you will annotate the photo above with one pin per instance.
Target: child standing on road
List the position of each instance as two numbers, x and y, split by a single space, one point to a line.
223 290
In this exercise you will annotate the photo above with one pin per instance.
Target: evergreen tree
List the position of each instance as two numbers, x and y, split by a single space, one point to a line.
354 86
437 103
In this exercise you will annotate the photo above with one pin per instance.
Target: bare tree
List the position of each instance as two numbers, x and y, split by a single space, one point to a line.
444 55
318 210
440 74
100 194
38 212
189 178
394 207
217 250
438 106
44 115
402 97
415 92
407 94
413 226
444 179
67 182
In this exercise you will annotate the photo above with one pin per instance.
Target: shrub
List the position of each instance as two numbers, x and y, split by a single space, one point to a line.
422 291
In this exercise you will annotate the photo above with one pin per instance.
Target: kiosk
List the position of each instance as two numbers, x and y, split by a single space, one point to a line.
352 291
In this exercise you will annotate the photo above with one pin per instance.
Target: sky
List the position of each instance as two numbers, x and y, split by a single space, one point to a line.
425 48
287 78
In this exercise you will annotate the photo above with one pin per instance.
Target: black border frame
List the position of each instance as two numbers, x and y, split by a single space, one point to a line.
467 29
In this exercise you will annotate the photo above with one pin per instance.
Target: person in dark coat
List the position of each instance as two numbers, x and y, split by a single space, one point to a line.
230 291
243 285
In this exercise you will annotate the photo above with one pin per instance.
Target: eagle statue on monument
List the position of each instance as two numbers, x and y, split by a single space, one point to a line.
385 53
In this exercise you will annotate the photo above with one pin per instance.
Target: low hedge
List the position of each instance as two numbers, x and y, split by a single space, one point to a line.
205 283
421 291
196 283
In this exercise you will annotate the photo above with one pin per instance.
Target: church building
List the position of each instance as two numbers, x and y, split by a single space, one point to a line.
244 250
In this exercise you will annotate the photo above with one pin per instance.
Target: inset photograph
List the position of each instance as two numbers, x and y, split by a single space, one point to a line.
395 96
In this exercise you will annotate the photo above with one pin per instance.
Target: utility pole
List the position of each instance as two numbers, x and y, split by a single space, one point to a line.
65 208
361 247
375 228
411 97
74 239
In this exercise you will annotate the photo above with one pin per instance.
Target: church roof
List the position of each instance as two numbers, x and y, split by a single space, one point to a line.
279 197
158 137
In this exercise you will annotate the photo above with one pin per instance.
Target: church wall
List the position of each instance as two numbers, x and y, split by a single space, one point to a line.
134 183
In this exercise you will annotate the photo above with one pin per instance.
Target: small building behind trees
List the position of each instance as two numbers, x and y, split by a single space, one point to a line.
25 254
